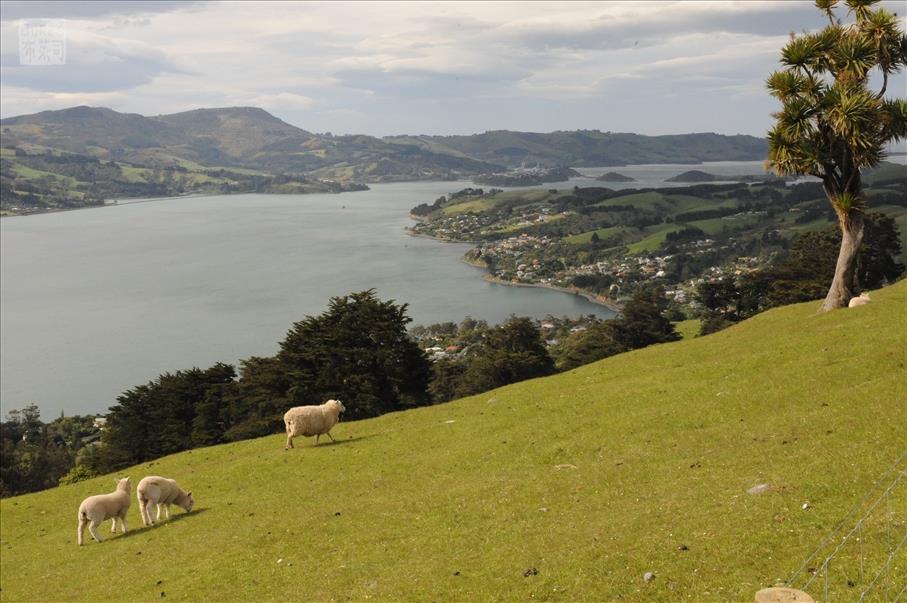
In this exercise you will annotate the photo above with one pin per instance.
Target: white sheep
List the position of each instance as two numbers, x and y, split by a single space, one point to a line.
96 509
161 491
861 300
312 420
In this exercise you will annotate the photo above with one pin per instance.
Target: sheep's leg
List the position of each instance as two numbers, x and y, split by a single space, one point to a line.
93 528
317 435
167 511
332 437
83 521
160 508
123 521
147 518
113 526
289 427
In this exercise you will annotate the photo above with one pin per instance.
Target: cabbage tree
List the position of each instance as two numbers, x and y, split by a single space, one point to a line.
833 122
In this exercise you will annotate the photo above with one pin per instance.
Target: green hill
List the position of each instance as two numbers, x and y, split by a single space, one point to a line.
564 488
201 140
591 147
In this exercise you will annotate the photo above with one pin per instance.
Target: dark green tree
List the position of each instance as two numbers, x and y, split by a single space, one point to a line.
643 321
255 405
359 352
511 352
445 379
832 125
159 417
595 343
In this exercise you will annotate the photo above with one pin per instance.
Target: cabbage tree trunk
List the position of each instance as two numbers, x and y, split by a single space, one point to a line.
846 284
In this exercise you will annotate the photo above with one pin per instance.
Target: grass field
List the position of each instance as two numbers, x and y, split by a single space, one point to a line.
566 488
655 237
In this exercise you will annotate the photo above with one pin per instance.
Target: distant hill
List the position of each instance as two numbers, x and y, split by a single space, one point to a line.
694 176
245 137
567 488
592 148
155 152
615 177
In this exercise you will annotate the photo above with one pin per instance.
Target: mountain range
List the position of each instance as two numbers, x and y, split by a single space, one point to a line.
241 142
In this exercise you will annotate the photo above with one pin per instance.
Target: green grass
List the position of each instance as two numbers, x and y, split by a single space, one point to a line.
603 233
642 200
715 226
521 227
27 173
477 205
593 477
688 328
655 237
134 174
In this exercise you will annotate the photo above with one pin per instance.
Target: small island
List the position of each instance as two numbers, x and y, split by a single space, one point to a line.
523 176
615 177
698 176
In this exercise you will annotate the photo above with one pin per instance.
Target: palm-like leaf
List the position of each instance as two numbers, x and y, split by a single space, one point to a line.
830 123
827 7
802 53
784 85
848 202
860 8
893 118
796 118
853 57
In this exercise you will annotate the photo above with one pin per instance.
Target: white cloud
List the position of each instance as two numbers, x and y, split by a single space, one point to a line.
444 67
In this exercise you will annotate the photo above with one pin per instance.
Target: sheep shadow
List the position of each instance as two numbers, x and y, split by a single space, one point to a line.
338 441
176 516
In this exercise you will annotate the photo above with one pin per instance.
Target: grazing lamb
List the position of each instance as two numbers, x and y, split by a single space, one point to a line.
95 509
862 300
160 491
312 420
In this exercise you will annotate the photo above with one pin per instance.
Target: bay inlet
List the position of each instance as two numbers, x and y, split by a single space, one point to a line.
96 301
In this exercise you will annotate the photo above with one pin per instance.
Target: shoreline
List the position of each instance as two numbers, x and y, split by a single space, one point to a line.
595 299
601 301
136 200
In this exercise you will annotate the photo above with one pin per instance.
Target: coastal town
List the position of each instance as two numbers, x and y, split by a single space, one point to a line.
534 238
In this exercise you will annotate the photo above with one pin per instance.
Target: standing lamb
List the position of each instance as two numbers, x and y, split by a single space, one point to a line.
161 491
312 420
96 509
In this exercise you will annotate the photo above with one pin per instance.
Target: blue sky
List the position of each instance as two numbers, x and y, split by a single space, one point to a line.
419 68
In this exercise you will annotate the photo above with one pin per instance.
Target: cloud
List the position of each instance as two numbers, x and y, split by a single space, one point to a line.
94 63
443 67
12 11
282 101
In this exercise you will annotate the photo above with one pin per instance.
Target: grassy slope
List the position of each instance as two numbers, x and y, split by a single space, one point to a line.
457 501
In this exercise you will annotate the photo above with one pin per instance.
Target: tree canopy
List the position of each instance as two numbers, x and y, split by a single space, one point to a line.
358 351
832 124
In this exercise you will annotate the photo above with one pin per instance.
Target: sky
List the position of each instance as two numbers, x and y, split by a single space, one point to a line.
384 68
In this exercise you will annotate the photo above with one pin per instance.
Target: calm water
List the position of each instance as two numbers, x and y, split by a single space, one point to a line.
96 301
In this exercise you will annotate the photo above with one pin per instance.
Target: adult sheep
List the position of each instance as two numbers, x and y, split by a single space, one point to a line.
162 492
860 300
312 420
95 509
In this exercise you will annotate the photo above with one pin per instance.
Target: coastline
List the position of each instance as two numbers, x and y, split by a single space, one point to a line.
601 301
595 299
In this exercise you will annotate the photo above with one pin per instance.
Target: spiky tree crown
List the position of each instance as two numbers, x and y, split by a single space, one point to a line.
831 124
